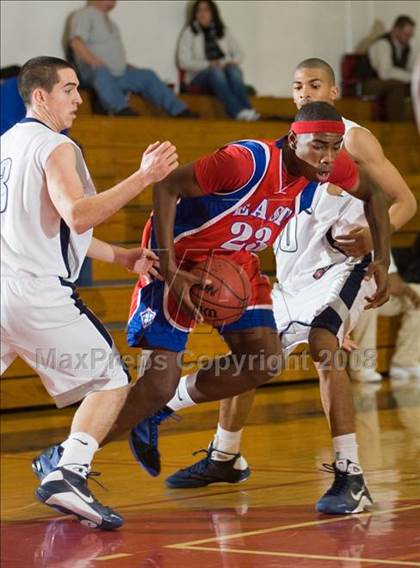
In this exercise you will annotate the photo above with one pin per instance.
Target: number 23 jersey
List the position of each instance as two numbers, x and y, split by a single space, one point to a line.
248 197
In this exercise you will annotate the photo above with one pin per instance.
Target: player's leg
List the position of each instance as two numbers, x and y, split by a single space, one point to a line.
348 493
335 387
223 462
150 393
76 359
255 358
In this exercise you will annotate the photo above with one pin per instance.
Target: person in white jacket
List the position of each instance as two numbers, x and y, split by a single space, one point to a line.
210 56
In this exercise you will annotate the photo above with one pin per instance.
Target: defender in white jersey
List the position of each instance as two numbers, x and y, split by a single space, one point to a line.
311 269
321 260
48 210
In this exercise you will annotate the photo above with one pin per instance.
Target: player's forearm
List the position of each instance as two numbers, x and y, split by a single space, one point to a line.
376 211
107 252
164 211
100 250
90 211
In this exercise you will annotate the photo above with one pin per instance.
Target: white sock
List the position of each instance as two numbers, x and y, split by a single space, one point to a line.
227 441
181 398
345 448
79 448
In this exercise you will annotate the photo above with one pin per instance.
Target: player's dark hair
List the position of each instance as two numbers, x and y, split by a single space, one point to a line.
316 63
403 21
317 110
40 72
217 21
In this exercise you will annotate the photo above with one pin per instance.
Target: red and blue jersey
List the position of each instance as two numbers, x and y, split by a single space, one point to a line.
248 198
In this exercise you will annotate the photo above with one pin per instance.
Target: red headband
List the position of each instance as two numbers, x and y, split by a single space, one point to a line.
312 126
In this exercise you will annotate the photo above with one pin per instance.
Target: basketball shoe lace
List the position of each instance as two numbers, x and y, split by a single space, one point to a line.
201 466
85 472
341 482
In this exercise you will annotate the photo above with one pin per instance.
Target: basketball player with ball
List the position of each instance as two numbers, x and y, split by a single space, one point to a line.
233 204
321 257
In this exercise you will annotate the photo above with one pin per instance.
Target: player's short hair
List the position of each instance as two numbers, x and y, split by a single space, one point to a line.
318 110
40 72
316 63
403 21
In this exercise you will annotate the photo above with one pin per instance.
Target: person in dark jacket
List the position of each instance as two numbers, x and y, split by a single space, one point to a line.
391 62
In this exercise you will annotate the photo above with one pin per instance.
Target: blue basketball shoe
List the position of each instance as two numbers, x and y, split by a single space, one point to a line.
65 489
348 494
144 439
46 461
209 470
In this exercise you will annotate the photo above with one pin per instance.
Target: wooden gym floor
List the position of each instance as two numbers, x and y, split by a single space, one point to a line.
267 521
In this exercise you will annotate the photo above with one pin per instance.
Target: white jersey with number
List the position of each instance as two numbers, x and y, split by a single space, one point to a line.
35 240
42 318
306 249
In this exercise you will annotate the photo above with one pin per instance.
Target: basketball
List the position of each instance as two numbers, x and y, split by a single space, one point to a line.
225 300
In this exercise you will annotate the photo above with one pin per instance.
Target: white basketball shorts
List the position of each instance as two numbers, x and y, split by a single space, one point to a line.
334 301
44 322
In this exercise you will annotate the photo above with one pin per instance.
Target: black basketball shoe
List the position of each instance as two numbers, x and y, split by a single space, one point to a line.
209 470
348 494
65 489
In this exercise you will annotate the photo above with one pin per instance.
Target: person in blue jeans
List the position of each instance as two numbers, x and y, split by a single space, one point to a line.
96 44
210 56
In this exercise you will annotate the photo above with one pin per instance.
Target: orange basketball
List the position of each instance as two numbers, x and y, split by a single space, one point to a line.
225 300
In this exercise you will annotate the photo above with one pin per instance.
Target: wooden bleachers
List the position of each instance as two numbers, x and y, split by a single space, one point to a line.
112 148
209 107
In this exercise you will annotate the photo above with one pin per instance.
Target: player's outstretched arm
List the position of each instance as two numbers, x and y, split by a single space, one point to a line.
376 212
140 260
81 212
367 152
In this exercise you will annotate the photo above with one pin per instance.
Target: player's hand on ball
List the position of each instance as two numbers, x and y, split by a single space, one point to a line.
158 161
358 242
180 284
142 261
379 271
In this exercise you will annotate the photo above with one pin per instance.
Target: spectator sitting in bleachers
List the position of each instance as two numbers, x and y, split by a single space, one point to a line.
389 67
405 300
99 54
210 56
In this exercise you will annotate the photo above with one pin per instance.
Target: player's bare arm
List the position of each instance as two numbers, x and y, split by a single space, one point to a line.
376 212
81 212
368 154
180 184
139 260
